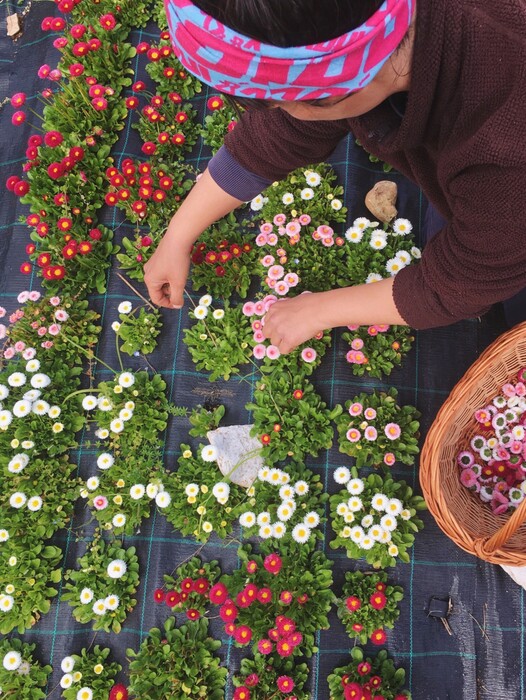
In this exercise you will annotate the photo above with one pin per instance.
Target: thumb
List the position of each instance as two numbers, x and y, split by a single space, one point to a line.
175 292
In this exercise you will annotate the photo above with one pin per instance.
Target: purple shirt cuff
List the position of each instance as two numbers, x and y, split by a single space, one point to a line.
233 178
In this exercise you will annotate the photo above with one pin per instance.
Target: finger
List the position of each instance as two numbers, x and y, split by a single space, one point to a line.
158 295
175 295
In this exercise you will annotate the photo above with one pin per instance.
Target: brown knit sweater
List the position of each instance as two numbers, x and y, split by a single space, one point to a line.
462 139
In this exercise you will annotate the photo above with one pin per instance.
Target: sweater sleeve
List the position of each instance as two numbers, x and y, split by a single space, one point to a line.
270 143
478 259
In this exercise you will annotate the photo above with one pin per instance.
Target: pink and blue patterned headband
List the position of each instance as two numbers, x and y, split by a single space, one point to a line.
238 65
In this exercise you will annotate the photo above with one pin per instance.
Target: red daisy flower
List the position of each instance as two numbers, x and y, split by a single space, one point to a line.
364 668
193 614
228 612
25 268
214 103
159 595
378 600
218 593
243 634
175 97
178 139
353 603
264 595
273 563
265 646
284 647
241 693
108 21
378 637
285 684
118 692
172 598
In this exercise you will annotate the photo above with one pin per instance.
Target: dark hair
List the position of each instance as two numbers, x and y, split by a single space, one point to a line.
290 22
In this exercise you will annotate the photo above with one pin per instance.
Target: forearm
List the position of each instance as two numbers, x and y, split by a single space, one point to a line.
363 304
205 203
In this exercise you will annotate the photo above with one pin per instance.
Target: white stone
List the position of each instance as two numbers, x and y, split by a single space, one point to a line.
233 442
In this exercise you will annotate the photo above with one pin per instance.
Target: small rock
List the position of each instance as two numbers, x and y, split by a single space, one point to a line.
233 442
381 200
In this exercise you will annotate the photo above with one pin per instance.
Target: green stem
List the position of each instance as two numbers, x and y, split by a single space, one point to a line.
89 353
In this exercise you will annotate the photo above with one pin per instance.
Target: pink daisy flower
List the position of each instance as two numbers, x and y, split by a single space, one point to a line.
47 344
304 219
392 431
325 231
359 358
382 327
22 297
54 329
268 260
269 298
259 336
353 327
42 331
293 228
389 459
54 301
372 330
259 351
29 353
355 409
316 235
353 435
34 296
257 325
350 356
61 315
328 242
370 433
266 227
261 239
272 352
248 308
100 502
276 272
357 344
270 282
292 279
509 390
279 219
369 413
259 308
19 346
308 354
281 288
272 239
520 389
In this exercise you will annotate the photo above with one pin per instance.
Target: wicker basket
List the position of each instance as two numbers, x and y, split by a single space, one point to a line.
459 512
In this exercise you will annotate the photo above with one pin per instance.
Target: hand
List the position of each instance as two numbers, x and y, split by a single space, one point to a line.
166 272
291 322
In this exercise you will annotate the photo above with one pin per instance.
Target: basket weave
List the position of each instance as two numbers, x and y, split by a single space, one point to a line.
459 512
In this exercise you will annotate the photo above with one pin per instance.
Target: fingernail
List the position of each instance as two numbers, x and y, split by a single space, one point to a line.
176 307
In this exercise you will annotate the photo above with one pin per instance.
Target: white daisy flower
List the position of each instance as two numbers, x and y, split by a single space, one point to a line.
6 602
373 277
86 596
307 193
126 379
34 503
402 227
301 533
117 425
349 517
27 444
18 463
393 266
355 486
205 300
357 534
124 307
263 518
286 492
77 676
207 526
278 530
40 408
355 504
341 475
104 403
266 531
218 314
33 365
92 483
137 491
416 252
4 535
105 460
17 379
362 223
342 508
192 490
24 668
85 694
200 312
112 602
118 520
129 405
336 204
152 490
378 240
394 506
388 522
376 533
125 415
4 392
379 501
367 543
18 499
257 203
221 490
67 664
274 476
66 681
6 418
404 257
346 532
353 234
367 520
284 513
40 381
89 402
312 178
405 514
312 519
393 550
57 427
54 412
115 326
22 408
163 499
247 519
386 536
301 487
288 198
12 660
116 568
209 453
263 473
